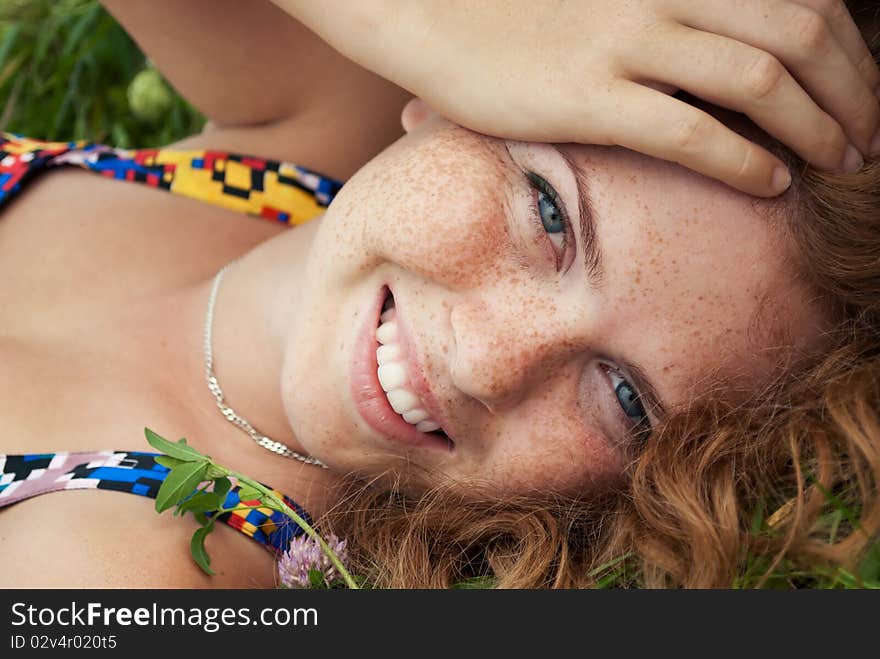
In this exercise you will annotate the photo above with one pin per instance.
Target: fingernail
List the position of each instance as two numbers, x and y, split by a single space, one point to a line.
852 160
781 179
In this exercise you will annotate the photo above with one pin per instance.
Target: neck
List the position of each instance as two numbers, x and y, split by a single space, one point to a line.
257 302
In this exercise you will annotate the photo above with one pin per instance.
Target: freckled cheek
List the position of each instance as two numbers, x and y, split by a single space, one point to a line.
459 240
441 216
567 463
549 446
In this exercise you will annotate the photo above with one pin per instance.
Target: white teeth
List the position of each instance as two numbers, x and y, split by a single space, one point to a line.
388 354
415 416
392 376
387 333
402 400
388 315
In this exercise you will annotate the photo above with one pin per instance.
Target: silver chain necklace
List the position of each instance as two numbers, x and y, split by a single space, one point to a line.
231 415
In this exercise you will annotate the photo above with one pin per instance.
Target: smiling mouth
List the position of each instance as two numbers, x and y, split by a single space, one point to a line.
393 366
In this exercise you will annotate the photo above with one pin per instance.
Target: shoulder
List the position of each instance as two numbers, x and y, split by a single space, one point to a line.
103 539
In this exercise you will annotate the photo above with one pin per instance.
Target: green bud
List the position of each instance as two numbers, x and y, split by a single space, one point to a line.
148 96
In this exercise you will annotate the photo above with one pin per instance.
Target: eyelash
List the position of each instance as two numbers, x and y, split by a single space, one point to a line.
640 430
541 186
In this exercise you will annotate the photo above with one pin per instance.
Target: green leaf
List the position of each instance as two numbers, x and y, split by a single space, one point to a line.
316 578
247 493
869 569
79 30
361 581
11 68
610 580
167 461
197 548
202 502
8 42
757 524
180 483
46 37
179 450
120 135
595 572
475 583
221 487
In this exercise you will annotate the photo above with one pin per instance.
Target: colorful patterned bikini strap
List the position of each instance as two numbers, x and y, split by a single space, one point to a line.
26 476
278 191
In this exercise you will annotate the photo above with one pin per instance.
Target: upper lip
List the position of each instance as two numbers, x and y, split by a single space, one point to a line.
419 382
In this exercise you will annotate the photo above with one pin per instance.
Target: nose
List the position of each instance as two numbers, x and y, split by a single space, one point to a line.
503 350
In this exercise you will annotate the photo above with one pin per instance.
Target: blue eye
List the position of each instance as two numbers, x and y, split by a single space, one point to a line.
630 404
549 214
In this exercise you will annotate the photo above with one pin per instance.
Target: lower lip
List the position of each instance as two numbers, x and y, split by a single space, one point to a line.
369 397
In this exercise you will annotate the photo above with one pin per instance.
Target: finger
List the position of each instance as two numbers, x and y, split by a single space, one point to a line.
737 76
804 42
414 113
661 126
848 36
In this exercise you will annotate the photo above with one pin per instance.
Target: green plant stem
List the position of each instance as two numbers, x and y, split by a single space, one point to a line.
314 535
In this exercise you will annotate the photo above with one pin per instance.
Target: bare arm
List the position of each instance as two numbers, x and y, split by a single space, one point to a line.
242 62
268 84
602 71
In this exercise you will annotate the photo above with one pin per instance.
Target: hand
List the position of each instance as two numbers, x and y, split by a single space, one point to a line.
596 71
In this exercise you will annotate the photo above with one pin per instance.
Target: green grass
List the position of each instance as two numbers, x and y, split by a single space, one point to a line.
69 71
66 72
786 575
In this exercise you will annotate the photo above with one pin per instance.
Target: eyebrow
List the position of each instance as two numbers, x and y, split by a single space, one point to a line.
595 269
593 261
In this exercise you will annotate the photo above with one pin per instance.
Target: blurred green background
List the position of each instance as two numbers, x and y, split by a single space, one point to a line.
69 71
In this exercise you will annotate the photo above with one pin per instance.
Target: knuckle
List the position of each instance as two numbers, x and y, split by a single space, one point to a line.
867 114
867 68
828 8
833 10
811 31
687 132
748 160
833 142
764 76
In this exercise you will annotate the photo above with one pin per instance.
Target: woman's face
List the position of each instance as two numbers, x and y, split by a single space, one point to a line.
543 367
